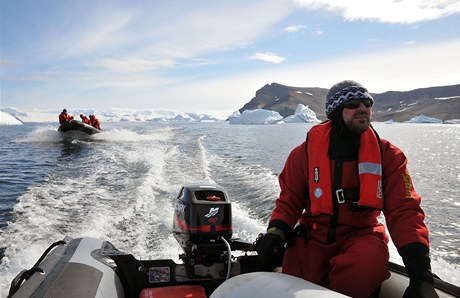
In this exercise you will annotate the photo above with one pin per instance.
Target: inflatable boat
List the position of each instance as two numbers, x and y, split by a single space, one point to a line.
213 263
77 126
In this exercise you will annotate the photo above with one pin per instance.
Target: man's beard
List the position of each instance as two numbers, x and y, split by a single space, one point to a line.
359 123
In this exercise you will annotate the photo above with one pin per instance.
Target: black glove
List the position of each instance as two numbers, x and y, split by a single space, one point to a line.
270 248
417 261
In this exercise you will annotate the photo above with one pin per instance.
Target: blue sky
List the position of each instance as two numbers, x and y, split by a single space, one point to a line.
212 56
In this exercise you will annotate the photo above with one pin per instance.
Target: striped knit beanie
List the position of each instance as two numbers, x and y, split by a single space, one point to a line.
342 92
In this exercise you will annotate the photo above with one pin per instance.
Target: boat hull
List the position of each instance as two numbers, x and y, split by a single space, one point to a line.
74 125
90 267
70 271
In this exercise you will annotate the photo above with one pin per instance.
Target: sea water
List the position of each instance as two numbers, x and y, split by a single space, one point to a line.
120 184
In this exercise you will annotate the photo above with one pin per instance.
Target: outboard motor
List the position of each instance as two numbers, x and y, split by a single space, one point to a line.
202 222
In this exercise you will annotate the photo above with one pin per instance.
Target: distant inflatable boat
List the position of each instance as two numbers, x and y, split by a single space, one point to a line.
74 125
91 267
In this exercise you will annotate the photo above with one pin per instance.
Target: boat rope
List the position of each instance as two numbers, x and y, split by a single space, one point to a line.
26 274
229 250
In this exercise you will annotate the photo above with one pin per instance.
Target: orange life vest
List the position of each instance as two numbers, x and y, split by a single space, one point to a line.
319 171
64 117
95 122
85 120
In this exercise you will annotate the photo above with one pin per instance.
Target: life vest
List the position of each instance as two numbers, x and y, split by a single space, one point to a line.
319 172
64 117
95 122
85 119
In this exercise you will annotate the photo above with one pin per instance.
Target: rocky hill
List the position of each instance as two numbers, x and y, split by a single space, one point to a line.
437 102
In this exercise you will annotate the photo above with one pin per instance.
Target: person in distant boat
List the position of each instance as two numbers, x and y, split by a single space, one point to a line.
94 122
325 226
64 117
85 119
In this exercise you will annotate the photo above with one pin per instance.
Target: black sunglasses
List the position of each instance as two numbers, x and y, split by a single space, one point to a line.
354 103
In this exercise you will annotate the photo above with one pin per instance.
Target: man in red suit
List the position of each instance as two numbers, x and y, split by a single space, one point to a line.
334 186
63 117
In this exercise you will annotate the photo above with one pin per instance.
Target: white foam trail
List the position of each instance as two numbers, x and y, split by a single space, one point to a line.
42 134
252 190
447 271
116 193
244 226
202 156
126 135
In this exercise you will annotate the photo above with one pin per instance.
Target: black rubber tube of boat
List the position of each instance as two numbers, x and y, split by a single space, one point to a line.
26 274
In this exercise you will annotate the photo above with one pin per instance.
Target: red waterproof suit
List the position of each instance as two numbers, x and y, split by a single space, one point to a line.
356 261
95 122
63 117
85 119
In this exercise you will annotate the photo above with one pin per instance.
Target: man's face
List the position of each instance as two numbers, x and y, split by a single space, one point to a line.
357 119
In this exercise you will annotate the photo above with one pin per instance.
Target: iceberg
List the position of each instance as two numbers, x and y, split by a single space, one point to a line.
258 116
452 121
423 119
303 114
8 119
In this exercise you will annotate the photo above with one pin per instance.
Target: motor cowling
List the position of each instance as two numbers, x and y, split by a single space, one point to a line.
202 214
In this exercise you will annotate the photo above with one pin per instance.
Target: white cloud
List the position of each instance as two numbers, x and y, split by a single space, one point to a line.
293 29
318 32
206 29
387 11
177 30
405 68
36 78
87 37
144 55
132 65
268 57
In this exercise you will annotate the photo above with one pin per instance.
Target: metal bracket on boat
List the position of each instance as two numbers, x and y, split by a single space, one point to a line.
215 271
